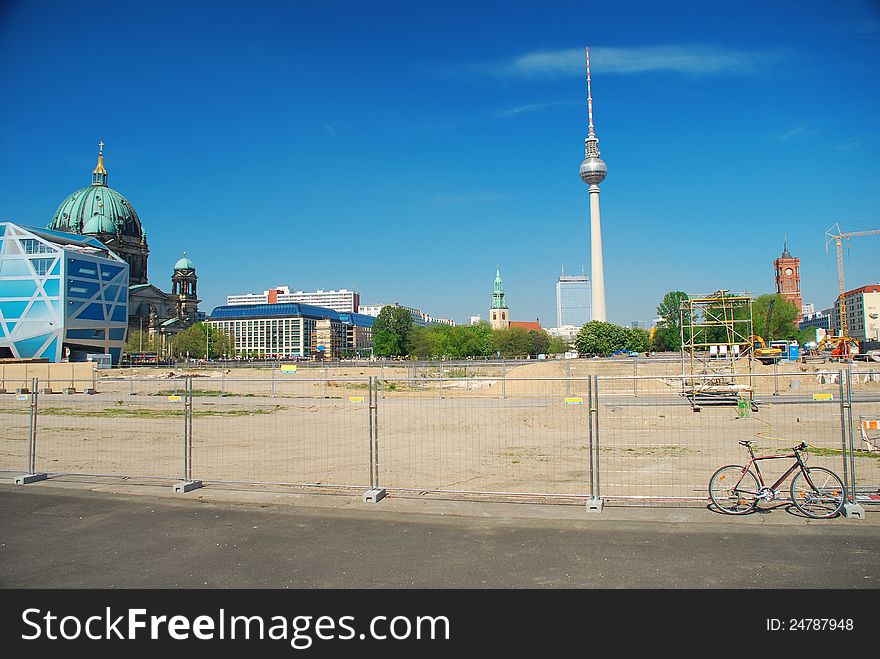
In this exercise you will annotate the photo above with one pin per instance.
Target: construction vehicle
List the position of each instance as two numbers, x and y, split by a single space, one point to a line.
764 353
843 348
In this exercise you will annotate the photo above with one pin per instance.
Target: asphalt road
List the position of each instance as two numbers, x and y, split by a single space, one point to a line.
53 536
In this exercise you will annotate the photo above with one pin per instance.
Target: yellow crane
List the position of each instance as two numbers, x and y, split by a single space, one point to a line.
836 235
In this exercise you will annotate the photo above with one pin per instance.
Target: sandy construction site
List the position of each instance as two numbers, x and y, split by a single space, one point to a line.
479 428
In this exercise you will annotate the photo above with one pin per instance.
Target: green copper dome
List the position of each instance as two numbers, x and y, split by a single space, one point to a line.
98 209
184 263
99 224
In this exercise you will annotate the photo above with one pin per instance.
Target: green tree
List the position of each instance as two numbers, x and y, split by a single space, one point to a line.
558 345
194 341
139 341
597 337
783 321
391 331
637 340
540 342
668 334
512 342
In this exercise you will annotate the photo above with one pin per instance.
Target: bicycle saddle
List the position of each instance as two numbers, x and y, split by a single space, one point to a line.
747 442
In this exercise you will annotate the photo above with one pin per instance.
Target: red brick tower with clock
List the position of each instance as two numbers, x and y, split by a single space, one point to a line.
788 279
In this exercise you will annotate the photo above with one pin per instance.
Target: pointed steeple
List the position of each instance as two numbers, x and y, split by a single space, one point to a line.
99 174
498 291
785 252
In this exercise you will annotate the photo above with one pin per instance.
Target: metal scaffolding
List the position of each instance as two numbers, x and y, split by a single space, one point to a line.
716 345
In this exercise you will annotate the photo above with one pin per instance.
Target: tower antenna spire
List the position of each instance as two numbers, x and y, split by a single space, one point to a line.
589 95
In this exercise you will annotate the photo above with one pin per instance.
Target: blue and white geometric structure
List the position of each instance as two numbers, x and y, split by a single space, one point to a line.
62 295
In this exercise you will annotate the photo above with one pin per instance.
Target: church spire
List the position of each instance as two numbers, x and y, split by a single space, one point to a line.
99 174
498 291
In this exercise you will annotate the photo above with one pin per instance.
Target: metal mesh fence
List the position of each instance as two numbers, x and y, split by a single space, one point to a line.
459 432
291 431
15 418
865 411
531 441
113 432
666 445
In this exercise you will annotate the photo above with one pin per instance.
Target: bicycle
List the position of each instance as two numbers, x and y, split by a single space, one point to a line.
815 491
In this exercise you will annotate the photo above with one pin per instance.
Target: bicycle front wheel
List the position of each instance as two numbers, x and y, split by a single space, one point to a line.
734 490
819 493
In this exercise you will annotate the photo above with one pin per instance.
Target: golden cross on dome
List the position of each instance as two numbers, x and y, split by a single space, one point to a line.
101 147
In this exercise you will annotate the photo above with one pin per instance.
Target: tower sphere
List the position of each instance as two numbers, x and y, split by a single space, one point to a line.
593 170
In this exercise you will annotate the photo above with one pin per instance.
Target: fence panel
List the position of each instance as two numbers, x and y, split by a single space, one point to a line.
660 446
532 441
291 431
865 388
15 429
113 432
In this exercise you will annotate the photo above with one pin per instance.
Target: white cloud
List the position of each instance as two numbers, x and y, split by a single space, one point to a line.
523 109
794 132
691 60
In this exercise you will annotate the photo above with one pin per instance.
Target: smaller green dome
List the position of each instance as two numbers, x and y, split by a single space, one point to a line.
184 263
99 224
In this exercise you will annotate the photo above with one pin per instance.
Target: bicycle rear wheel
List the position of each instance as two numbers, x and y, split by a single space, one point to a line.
819 496
734 490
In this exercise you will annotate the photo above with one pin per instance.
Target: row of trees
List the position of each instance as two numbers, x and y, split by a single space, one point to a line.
396 335
782 322
197 342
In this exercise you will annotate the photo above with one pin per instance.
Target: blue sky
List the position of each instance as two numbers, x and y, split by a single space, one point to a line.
406 149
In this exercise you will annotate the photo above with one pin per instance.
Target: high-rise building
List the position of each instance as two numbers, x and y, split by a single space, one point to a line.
862 309
343 300
499 314
788 279
420 318
593 171
572 300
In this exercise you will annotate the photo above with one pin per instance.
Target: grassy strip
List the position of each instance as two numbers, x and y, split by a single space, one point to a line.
815 450
201 392
140 412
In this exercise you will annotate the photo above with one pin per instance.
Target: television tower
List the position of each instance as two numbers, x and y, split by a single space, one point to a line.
593 171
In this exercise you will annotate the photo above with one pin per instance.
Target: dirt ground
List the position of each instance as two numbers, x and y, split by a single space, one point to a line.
486 428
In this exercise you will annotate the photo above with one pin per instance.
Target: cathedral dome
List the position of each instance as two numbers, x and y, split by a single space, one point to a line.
98 209
184 263
99 224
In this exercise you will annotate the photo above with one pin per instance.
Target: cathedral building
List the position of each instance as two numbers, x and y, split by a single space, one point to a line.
103 213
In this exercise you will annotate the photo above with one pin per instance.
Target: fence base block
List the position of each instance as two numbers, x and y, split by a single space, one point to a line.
374 496
853 511
24 479
595 505
2 390
187 486
69 390
46 390
22 390
91 391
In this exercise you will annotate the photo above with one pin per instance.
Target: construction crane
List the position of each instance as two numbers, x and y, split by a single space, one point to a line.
830 235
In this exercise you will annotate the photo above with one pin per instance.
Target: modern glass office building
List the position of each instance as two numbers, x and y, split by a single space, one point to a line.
63 296
572 300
